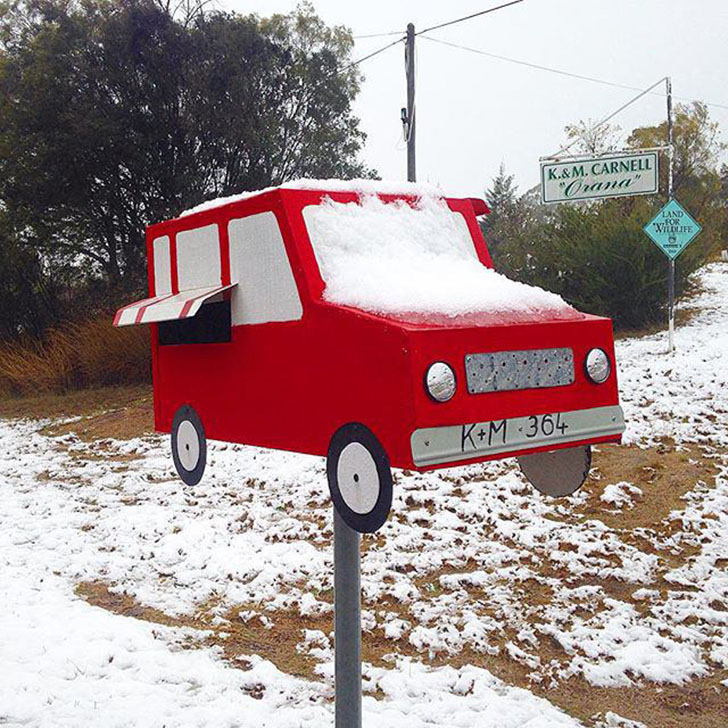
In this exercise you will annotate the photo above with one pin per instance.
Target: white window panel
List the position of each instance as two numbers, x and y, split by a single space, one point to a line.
162 266
259 264
198 258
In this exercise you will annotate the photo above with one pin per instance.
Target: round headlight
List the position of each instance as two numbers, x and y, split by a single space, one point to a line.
597 366
440 381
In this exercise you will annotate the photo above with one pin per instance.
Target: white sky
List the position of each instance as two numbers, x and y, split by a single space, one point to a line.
474 112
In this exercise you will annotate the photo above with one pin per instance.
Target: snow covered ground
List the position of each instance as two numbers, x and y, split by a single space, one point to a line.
474 568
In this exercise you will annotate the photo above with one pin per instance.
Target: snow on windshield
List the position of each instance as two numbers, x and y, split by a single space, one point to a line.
393 258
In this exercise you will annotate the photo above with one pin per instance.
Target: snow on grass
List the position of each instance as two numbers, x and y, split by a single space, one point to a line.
684 395
620 494
473 562
396 258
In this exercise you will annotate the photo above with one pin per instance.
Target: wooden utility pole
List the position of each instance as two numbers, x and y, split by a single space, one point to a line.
409 64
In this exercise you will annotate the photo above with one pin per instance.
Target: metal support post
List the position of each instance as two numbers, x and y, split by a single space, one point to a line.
670 157
409 64
347 625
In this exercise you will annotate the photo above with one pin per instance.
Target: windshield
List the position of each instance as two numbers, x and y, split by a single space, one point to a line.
396 258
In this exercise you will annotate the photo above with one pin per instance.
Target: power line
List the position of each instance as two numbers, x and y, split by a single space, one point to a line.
557 70
378 35
441 25
469 17
609 117
371 55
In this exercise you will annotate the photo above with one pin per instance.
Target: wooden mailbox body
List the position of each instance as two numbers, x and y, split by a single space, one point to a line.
295 367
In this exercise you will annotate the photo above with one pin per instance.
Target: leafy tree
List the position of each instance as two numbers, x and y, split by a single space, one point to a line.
514 223
590 137
502 199
696 178
596 255
117 114
30 289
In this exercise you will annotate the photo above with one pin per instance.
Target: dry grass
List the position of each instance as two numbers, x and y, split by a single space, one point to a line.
116 421
664 474
276 641
75 403
85 354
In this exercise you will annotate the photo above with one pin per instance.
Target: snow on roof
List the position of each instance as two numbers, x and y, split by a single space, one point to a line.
394 258
359 186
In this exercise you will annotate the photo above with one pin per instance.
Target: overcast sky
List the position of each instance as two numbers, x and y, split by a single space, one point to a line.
475 112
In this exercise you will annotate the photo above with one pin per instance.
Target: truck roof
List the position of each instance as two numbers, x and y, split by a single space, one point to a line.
358 186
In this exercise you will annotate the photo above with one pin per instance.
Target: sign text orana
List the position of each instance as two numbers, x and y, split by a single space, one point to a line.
629 173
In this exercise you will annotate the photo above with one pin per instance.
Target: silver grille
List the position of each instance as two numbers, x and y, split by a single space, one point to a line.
508 370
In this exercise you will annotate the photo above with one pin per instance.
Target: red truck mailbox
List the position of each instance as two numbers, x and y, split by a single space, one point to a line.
369 327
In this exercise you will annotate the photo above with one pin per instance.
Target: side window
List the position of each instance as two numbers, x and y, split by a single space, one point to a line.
198 258
259 264
162 266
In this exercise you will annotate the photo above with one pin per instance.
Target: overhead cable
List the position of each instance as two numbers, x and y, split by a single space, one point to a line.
557 70
609 117
371 55
469 17
378 35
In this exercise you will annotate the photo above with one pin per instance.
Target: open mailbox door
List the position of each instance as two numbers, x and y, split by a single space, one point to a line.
168 307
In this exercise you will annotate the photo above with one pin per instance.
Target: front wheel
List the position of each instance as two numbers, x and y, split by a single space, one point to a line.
559 472
189 445
360 479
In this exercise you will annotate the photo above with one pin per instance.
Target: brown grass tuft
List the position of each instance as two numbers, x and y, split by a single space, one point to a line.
89 353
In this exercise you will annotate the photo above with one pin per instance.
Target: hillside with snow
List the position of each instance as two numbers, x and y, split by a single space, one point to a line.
131 600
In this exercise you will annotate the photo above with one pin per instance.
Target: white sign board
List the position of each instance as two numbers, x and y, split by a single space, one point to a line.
590 178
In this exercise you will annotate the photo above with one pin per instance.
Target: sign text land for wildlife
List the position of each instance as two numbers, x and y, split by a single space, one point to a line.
672 229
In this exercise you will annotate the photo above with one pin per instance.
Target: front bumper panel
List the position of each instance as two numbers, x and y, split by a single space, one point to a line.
451 443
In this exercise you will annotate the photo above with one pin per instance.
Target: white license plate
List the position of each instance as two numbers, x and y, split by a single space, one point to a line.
516 431
435 445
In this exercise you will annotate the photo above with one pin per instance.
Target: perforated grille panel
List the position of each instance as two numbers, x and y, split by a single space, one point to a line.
507 370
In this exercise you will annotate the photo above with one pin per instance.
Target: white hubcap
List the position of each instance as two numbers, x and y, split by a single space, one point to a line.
358 478
188 445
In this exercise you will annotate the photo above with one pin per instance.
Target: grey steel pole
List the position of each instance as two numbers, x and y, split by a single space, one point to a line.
347 625
670 157
409 62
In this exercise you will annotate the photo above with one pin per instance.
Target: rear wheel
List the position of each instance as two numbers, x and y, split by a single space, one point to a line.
189 445
360 479
559 472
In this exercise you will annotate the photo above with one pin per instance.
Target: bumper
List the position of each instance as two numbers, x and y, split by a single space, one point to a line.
449 444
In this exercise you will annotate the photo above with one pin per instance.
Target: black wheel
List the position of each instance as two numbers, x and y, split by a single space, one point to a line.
189 446
559 472
360 479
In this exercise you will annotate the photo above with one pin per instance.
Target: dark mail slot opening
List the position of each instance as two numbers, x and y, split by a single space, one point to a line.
211 325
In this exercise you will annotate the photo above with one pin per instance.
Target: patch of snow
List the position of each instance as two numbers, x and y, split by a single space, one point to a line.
616 644
620 494
684 395
395 258
612 720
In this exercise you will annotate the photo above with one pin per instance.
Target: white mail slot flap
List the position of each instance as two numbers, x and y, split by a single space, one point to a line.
167 307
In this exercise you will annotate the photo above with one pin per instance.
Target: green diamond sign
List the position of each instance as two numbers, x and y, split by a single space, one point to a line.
672 229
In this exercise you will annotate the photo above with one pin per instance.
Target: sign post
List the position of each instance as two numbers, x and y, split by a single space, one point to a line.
671 158
672 229
347 625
